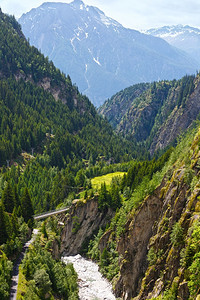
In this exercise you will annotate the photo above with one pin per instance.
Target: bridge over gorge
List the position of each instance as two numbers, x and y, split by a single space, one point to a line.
50 213
59 211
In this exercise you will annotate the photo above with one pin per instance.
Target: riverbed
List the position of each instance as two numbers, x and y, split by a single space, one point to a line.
92 285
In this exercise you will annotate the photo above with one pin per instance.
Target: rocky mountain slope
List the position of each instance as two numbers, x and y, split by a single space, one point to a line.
158 244
186 38
101 56
49 102
155 114
160 258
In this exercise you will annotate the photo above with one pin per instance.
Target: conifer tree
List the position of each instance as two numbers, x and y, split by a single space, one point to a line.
44 231
104 197
47 202
115 196
3 230
8 198
16 197
26 205
14 222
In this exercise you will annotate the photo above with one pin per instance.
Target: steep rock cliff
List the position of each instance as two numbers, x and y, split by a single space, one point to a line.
159 247
83 219
178 121
133 246
155 248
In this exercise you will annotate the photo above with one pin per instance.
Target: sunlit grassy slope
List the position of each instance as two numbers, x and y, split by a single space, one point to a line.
97 181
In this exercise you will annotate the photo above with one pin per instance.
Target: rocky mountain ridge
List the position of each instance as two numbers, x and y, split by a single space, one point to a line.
155 114
186 38
101 56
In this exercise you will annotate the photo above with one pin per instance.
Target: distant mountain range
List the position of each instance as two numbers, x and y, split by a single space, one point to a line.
100 55
185 38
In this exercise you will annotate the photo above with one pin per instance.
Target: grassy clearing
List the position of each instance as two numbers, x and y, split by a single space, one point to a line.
97 181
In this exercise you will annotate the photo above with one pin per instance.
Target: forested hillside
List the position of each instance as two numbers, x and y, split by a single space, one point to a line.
157 114
54 145
29 113
49 134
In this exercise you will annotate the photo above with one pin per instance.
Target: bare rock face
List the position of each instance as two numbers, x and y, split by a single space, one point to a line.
55 249
183 291
177 122
133 246
150 228
81 222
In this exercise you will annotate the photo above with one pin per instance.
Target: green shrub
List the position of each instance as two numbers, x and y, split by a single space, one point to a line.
176 236
194 282
151 256
76 224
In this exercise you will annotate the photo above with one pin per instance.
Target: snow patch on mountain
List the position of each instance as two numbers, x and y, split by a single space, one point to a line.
100 55
97 61
186 38
172 31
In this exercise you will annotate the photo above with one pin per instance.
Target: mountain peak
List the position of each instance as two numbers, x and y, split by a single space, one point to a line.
184 37
172 30
98 52
78 4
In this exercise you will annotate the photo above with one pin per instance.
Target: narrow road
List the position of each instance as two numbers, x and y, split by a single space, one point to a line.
15 275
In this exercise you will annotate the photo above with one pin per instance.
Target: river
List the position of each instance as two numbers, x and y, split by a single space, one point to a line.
92 285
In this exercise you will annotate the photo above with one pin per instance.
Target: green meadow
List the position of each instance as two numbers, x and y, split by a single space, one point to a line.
97 181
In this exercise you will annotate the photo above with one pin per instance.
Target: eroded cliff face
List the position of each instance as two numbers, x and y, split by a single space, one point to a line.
179 120
132 246
83 219
150 248
115 108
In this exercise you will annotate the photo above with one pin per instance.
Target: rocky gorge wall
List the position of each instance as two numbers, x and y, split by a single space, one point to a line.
132 246
153 248
157 236
83 219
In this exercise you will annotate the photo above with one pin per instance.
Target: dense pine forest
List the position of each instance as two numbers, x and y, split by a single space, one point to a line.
53 144
49 134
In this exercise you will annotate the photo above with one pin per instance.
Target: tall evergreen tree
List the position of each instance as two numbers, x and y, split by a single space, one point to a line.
26 205
3 230
104 199
16 197
8 198
115 197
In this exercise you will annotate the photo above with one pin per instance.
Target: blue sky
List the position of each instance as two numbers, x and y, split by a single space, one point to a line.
130 13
